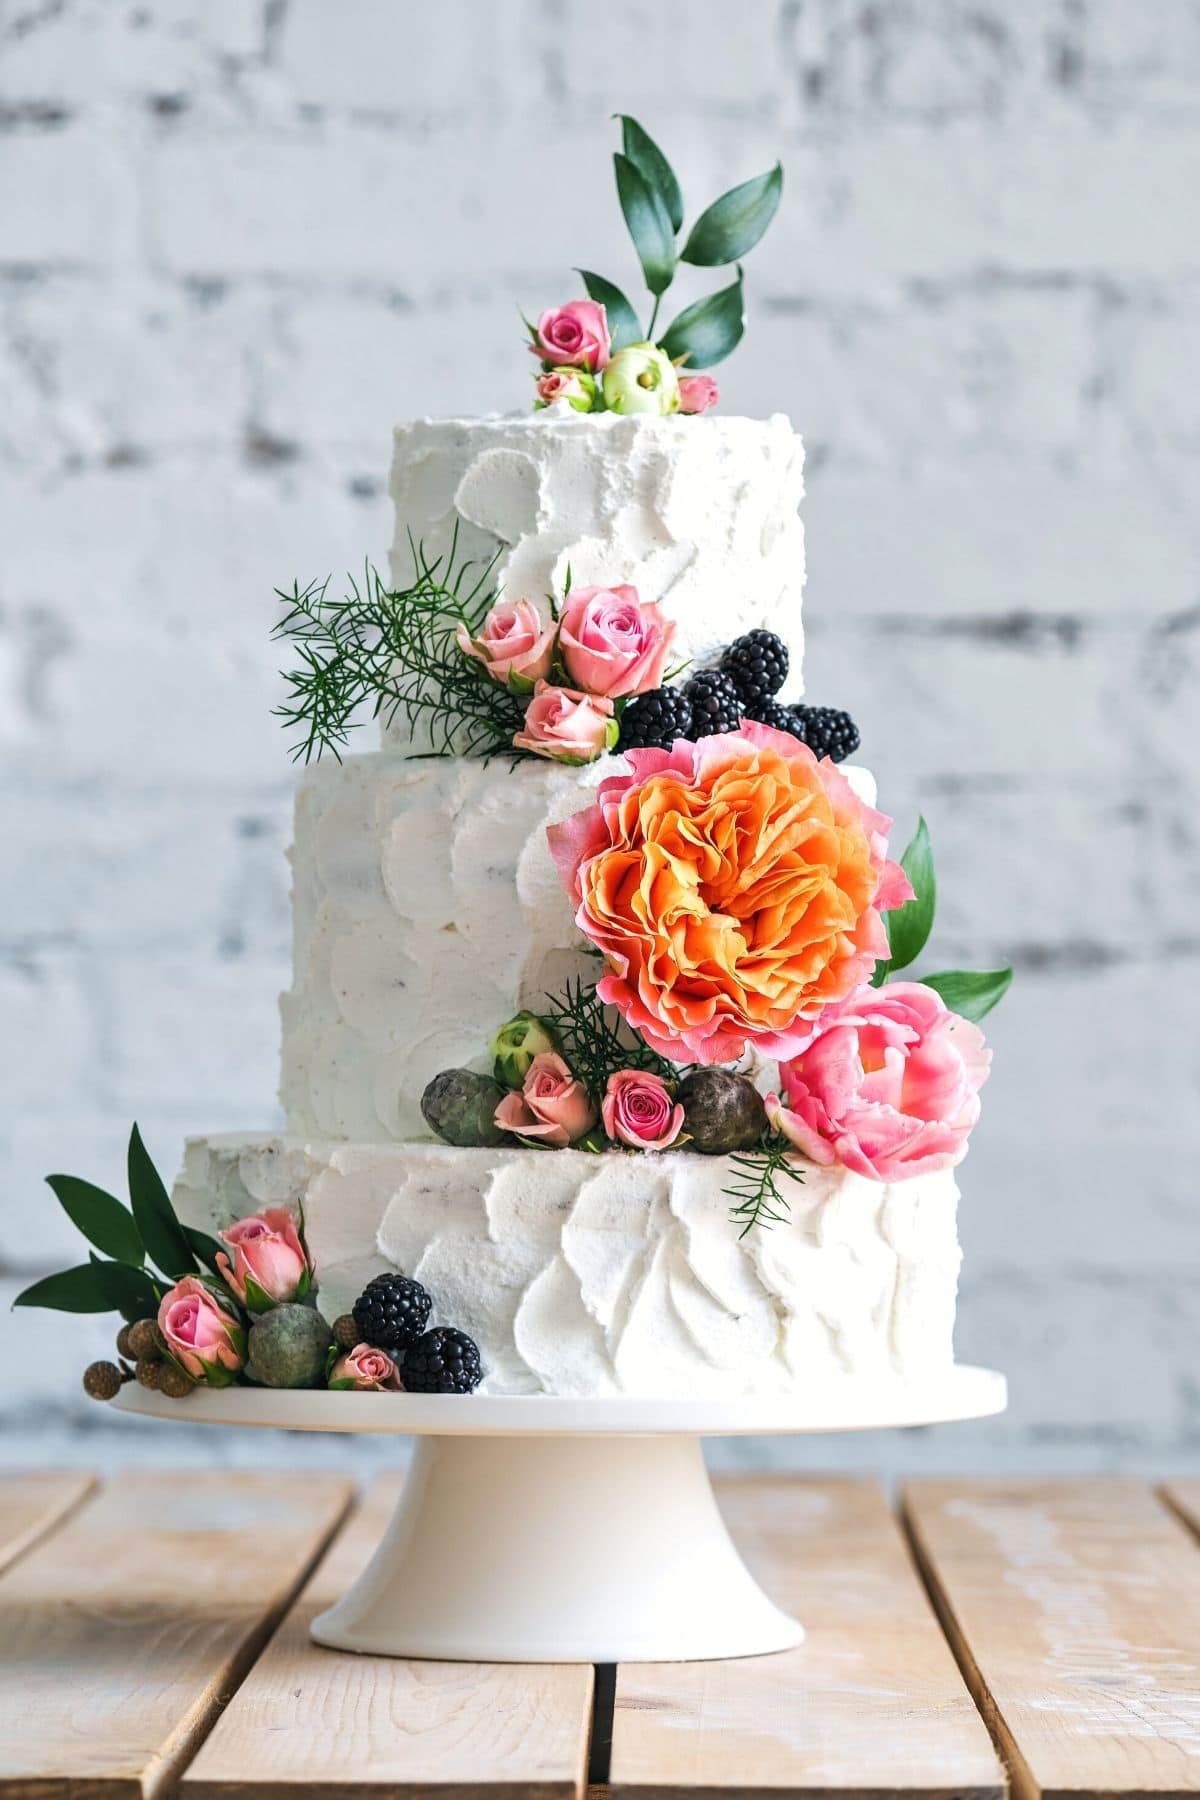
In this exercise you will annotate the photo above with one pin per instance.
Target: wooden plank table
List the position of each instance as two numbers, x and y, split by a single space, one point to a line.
1038 1638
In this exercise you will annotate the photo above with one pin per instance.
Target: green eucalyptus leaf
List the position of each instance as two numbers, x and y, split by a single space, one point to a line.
623 325
908 927
166 1241
649 226
732 225
78 1290
128 1290
971 992
100 1216
709 329
642 150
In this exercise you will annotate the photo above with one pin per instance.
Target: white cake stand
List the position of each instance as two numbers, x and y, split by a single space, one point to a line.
538 1529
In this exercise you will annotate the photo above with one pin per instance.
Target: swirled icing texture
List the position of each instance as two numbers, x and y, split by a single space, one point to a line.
699 513
426 911
594 1275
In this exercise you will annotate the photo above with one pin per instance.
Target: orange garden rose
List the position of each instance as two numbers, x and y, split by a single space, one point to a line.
734 887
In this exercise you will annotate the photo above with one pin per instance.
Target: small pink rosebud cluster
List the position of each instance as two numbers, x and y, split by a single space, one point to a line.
608 645
574 347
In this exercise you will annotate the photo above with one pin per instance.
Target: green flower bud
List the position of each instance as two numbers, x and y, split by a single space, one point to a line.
722 1112
641 379
460 1107
516 1044
287 1347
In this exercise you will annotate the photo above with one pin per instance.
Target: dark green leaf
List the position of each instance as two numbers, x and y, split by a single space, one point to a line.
164 1237
649 226
971 992
205 1248
99 1216
642 150
709 329
908 927
128 1290
78 1290
732 225
623 325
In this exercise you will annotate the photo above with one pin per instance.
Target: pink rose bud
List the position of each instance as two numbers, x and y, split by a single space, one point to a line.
567 726
514 645
575 334
888 1085
269 1261
573 385
637 1110
697 393
203 1336
551 1106
366 1369
612 643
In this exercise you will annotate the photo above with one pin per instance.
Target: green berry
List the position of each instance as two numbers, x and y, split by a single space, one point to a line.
722 1112
460 1107
287 1347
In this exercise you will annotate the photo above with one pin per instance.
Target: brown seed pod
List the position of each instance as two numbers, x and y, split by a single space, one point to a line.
149 1371
345 1331
102 1380
144 1342
124 1347
173 1381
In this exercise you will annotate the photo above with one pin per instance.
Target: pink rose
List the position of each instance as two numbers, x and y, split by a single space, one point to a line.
638 1110
612 643
551 1107
697 393
567 726
367 1369
514 642
203 1337
575 385
888 1084
576 334
269 1261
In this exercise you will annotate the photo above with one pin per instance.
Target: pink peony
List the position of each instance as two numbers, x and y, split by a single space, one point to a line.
367 1369
269 1261
612 643
697 393
567 726
551 1106
637 1110
514 645
734 887
203 1337
575 334
888 1085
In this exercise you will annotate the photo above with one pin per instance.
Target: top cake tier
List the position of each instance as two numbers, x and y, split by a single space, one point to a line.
699 514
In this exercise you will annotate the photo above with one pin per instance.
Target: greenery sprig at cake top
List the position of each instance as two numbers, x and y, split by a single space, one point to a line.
593 353
237 1309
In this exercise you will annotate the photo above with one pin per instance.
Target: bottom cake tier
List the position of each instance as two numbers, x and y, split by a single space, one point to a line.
580 1274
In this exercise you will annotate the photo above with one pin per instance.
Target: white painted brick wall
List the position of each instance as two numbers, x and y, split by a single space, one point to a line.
238 240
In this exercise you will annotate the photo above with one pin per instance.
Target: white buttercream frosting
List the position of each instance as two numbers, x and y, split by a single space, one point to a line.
613 1274
427 910
698 513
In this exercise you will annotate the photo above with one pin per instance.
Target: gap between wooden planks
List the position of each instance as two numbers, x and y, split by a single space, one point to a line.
870 1705
123 1633
33 1503
311 1722
1074 1610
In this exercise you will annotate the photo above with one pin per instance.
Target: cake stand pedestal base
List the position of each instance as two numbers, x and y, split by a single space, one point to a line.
557 1549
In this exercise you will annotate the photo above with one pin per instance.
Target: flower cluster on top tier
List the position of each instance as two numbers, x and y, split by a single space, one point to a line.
239 1308
593 353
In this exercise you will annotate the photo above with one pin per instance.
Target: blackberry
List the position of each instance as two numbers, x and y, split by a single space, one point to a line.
769 712
826 731
655 719
757 664
443 1361
716 703
391 1311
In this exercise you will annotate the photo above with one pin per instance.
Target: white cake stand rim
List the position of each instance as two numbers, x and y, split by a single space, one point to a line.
845 1403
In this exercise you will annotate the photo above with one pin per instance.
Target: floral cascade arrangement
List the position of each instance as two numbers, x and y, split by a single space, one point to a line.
744 905
593 353
239 1308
